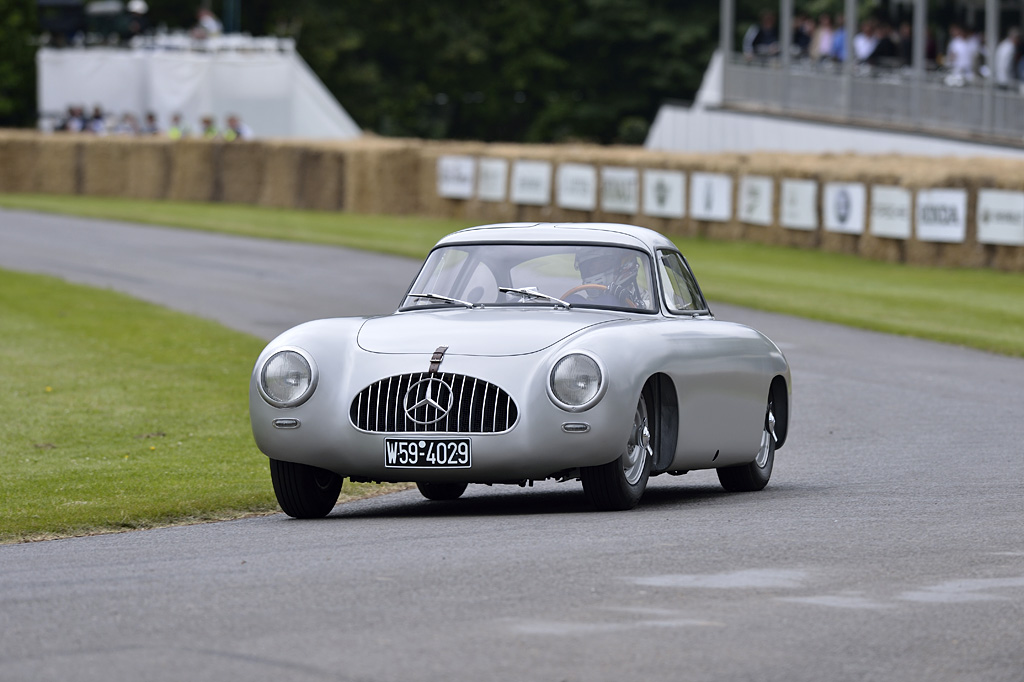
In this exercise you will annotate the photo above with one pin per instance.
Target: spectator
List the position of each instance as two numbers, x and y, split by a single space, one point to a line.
1006 55
822 39
864 43
150 127
97 123
208 129
74 122
887 50
803 32
839 40
137 10
762 39
127 125
178 130
906 44
961 55
237 130
207 24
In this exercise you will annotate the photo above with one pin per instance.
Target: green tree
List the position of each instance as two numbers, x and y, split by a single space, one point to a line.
17 63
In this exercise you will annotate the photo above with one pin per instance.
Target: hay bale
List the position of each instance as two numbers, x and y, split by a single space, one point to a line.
104 163
18 158
194 170
241 174
149 169
382 176
58 168
279 186
321 179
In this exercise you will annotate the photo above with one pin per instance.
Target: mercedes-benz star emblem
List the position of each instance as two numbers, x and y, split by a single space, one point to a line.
427 401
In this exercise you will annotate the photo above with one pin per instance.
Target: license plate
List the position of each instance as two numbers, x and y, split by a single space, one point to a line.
427 453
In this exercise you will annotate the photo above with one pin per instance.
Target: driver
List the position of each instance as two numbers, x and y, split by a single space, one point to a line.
614 273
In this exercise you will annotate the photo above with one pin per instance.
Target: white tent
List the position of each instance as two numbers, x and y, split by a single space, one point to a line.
263 81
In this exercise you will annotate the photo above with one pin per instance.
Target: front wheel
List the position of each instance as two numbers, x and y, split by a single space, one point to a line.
442 491
619 484
754 476
303 491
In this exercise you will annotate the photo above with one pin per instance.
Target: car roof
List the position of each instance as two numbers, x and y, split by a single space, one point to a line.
617 234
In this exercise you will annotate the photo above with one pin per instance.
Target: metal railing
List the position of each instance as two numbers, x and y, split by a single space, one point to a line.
934 103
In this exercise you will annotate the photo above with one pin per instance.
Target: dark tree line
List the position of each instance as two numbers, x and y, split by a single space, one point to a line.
509 70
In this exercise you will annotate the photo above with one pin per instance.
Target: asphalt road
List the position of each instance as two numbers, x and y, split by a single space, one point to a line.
888 546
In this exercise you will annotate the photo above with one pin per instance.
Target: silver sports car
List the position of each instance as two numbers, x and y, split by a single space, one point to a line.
524 352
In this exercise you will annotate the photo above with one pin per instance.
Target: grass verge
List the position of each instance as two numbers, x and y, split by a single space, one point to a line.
978 308
119 414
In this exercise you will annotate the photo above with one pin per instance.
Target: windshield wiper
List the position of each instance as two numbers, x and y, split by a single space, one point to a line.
533 293
446 299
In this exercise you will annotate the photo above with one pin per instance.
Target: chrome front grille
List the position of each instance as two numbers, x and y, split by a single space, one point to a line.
433 403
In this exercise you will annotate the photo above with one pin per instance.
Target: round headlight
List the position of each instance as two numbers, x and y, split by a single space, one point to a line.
288 378
576 381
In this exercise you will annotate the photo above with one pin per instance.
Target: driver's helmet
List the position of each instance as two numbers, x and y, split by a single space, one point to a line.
608 267
615 269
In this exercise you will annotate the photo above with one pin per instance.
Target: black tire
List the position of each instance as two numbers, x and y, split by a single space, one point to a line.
303 491
442 491
619 484
747 478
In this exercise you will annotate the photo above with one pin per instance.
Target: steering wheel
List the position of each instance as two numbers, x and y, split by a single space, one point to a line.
584 287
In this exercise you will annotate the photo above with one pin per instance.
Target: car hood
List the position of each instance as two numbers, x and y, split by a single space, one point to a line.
488 331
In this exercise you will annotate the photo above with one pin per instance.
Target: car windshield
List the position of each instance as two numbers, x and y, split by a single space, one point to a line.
563 275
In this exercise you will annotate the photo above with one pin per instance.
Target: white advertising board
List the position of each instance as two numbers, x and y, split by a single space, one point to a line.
577 187
664 193
456 176
890 212
844 207
711 196
531 182
620 190
799 210
1000 217
942 215
757 196
492 179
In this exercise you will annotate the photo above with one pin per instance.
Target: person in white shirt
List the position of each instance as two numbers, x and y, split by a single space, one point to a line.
962 54
865 42
1006 55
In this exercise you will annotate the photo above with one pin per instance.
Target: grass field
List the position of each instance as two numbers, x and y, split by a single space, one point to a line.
978 308
119 414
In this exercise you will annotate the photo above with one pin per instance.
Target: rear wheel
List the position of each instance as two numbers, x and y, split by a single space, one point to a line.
442 491
754 476
303 491
619 484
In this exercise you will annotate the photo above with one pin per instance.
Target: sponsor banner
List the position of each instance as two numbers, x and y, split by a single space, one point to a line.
799 210
531 182
942 215
620 190
711 196
577 187
1000 217
757 194
844 207
664 193
456 176
492 179
890 212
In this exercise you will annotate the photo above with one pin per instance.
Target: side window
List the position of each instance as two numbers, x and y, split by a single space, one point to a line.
677 284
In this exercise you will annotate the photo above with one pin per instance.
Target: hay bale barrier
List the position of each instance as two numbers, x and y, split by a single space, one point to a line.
915 210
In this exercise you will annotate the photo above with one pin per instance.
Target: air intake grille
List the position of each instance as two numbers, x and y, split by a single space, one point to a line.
433 403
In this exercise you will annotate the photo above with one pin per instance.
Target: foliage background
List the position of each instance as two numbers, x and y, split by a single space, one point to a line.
508 70
17 63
